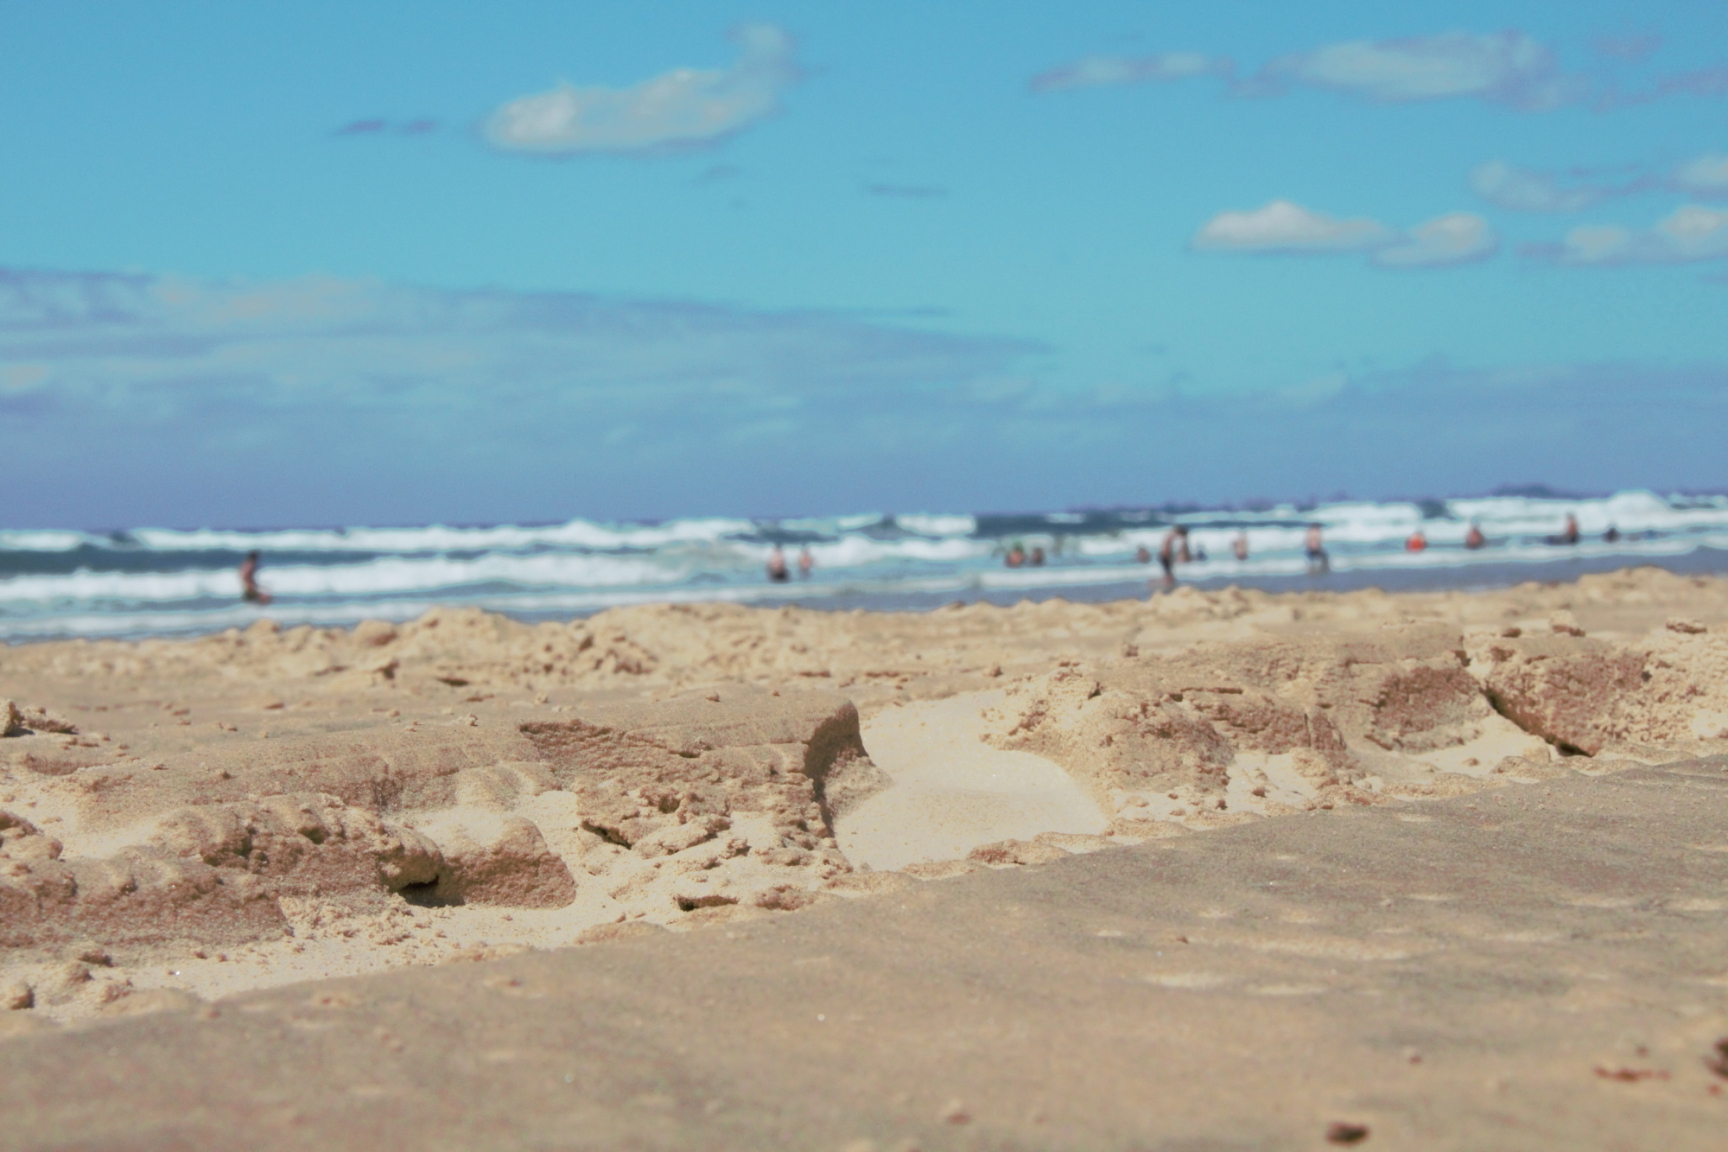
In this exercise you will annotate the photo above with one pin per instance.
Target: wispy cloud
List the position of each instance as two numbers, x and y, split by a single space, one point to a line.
325 341
1520 190
356 389
326 400
1689 234
1705 82
1102 71
677 109
1705 177
1507 186
1282 228
1509 69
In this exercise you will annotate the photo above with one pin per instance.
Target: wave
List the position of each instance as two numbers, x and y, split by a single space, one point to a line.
157 580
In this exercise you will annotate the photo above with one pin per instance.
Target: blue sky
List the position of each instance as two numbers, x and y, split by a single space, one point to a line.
321 263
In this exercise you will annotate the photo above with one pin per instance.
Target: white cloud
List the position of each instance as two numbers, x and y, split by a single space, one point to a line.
1101 71
1283 228
1455 238
1520 190
683 107
1690 233
1705 177
1506 68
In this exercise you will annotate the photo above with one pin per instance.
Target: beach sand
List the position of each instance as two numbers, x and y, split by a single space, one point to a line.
1214 870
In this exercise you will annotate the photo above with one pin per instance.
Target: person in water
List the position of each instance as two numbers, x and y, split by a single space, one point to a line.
1142 556
1568 534
1239 547
1417 542
1612 535
1318 561
249 590
1016 556
1173 549
1037 557
777 571
1474 539
805 563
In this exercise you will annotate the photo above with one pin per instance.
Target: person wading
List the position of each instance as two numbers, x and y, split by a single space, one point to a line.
1171 550
249 590
1318 561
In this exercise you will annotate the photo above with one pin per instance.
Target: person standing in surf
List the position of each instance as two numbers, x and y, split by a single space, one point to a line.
249 590
1318 561
1173 548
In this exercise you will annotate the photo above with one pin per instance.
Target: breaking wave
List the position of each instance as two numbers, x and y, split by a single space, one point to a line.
151 581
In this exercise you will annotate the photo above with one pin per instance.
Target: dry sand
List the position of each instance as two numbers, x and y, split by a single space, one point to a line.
1216 870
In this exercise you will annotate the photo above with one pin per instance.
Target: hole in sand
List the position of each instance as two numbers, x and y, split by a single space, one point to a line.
426 895
711 900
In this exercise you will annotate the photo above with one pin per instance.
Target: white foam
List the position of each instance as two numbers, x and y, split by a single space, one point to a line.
933 524
441 538
579 566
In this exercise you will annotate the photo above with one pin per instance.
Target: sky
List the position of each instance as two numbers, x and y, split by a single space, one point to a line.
319 263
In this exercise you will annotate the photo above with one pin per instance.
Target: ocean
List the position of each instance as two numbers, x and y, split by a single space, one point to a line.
165 581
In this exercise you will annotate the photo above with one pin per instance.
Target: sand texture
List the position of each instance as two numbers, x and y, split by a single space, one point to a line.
1215 870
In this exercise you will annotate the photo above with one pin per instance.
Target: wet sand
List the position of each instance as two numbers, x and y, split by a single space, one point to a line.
1220 870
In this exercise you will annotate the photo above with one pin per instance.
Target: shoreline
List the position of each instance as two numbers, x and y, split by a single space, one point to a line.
1000 588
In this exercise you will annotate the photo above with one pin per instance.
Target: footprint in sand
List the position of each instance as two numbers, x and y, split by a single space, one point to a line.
952 792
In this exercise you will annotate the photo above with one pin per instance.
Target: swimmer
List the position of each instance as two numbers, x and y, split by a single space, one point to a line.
1037 557
777 566
805 563
1142 556
1474 539
1239 547
1417 542
249 590
1318 561
1016 555
1173 549
1568 534
1612 536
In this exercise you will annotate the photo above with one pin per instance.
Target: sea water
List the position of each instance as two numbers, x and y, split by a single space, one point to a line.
160 581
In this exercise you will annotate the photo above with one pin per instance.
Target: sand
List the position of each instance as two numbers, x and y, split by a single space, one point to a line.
1219 869
950 792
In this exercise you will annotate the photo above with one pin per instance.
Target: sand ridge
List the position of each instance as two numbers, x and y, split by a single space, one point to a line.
197 818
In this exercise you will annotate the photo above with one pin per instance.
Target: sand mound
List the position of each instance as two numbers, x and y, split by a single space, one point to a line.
1260 726
1180 728
1668 689
697 804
